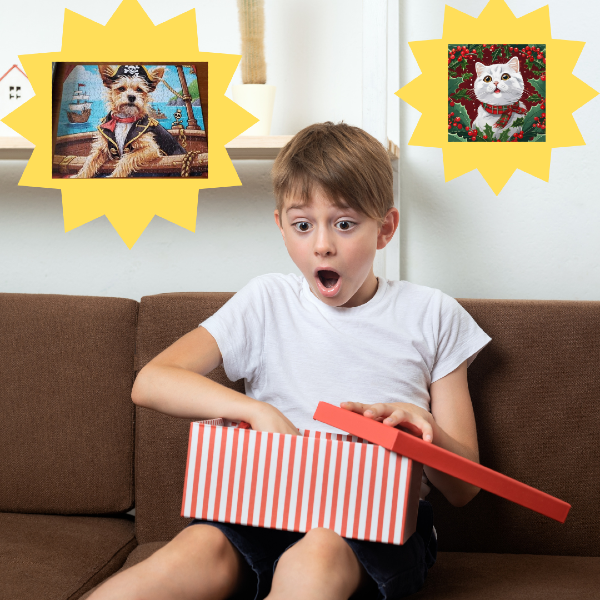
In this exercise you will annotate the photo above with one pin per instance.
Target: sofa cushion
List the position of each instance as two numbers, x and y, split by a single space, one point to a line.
472 576
162 440
60 557
467 576
66 432
535 396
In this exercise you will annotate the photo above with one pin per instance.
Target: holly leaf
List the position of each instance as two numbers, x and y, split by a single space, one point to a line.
540 138
480 52
461 95
496 53
504 136
518 122
487 130
455 138
535 111
467 76
460 111
540 86
453 84
534 99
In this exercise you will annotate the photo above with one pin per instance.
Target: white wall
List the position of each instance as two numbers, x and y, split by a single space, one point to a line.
536 240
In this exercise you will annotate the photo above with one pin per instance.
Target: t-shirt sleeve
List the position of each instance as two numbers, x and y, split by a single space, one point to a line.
238 328
458 337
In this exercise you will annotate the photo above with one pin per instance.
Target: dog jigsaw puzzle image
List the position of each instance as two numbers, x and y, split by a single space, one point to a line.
130 120
497 93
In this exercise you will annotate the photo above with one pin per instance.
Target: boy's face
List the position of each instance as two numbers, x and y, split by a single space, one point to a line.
322 238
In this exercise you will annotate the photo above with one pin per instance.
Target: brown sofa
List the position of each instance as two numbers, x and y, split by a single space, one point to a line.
78 455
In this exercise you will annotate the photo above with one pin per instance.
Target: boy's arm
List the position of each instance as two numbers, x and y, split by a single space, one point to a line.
454 430
450 425
174 383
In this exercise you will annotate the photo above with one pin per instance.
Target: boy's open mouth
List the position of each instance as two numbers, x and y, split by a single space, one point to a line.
328 278
328 282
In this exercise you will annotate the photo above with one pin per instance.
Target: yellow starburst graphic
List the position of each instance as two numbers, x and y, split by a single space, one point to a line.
130 204
428 93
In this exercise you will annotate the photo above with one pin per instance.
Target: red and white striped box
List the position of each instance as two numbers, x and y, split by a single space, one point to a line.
297 483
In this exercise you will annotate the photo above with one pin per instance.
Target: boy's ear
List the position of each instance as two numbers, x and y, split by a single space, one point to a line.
278 222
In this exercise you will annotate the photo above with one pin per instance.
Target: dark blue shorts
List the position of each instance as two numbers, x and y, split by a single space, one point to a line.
395 571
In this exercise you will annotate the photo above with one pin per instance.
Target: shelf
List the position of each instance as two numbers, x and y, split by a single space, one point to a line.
242 147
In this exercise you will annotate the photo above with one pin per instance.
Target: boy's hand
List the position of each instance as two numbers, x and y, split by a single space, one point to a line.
409 416
268 418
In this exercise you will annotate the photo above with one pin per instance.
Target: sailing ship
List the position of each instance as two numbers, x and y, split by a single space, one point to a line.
79 108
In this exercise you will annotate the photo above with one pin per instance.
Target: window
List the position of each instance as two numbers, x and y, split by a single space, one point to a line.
14 92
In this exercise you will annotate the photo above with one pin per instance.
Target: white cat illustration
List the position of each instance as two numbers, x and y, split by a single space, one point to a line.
499 88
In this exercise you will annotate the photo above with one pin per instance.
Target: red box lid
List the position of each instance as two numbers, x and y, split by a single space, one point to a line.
438 458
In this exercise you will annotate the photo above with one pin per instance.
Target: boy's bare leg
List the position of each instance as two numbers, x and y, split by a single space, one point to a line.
199 563
320 565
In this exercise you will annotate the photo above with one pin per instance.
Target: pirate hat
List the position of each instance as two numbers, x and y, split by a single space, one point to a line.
129 71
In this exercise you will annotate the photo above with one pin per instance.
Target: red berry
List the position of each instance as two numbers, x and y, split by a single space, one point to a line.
520 136
531 139
526 47
511 48
484 46
458 47
460 58
459 126
449 126
451 103
485 137
451 114
542 106
448 61
540 57
543 78
544 61
543 114
452 56
536 118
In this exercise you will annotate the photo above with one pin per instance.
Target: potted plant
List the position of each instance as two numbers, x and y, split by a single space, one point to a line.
254 95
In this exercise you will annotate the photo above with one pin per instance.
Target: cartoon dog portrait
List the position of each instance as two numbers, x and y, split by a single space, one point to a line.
130 120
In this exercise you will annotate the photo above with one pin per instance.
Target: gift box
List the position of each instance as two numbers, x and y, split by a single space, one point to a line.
341 482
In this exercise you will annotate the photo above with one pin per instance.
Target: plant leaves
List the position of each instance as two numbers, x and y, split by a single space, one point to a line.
540 138
518 122
455 138
540 86
487 130
535 111
504 136
460 111
453 84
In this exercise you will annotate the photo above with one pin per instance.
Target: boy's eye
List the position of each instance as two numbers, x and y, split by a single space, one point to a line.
346 228
487 78
505 76
300 223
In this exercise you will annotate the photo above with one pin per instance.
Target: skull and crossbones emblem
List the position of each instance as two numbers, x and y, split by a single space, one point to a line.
131 69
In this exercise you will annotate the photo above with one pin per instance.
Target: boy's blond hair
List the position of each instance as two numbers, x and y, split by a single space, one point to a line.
347 163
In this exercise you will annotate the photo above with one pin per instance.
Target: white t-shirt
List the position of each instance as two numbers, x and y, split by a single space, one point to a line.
293 350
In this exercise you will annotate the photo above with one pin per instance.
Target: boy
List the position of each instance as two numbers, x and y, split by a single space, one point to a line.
391 350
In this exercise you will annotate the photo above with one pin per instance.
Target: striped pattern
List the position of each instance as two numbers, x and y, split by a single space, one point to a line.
297 483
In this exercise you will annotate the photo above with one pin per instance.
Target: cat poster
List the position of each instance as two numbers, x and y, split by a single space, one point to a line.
497 93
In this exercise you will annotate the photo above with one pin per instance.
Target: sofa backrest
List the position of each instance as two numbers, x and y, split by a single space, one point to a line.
162 440
535 395
66 429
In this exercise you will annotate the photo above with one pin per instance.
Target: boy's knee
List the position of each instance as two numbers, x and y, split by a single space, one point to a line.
325 548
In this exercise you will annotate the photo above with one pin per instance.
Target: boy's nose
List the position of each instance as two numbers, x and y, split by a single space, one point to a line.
323 244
